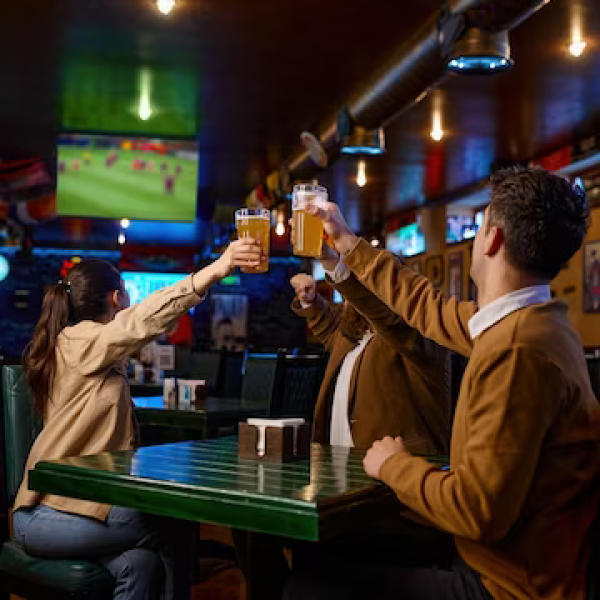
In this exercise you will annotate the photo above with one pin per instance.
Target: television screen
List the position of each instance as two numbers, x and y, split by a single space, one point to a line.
318 272
406 241
117 177
140 284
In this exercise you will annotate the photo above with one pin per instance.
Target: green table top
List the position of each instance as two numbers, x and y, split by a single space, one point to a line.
206 481
212 414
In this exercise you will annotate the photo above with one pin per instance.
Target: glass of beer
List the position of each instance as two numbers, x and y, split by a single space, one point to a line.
308 229
255 223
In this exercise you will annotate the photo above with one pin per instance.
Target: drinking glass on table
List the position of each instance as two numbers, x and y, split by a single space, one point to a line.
308 229
255 223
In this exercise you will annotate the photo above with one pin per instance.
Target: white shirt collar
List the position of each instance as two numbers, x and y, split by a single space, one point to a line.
498 309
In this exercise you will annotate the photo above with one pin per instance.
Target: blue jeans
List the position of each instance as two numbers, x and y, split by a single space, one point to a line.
150 557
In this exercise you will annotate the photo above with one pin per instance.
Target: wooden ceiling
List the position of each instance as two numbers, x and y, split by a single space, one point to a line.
249 76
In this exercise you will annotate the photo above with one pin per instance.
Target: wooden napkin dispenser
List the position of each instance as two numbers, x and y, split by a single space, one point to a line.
278 440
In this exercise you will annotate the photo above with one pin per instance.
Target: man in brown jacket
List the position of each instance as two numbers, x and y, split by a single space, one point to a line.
382 378
521 493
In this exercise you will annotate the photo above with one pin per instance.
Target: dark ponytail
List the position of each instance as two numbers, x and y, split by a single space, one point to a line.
82 295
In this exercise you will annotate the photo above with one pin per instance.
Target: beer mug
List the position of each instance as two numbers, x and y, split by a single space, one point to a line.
308 229
255 223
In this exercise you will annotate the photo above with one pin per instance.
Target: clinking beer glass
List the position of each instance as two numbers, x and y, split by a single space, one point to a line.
308 229
255 223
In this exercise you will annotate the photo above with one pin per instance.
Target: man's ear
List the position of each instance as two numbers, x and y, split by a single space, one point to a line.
115 299
493 241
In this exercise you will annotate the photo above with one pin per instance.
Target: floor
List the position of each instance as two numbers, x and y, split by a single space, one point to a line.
225 585
220 579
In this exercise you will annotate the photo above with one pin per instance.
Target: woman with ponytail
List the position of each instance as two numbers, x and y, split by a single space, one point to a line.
75 367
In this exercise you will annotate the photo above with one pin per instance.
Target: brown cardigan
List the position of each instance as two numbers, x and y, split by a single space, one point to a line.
397 386
521 493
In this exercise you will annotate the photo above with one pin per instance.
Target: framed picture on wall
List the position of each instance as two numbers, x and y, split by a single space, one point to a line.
417 266
434 269
229 321
591 277
455 274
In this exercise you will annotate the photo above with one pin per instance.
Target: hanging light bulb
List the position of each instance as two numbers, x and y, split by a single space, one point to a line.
375 242
280 227
578 44
361 175
437 133
121 238
125 223
165 6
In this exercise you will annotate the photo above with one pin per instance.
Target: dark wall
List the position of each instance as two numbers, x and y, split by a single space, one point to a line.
22 291
271 323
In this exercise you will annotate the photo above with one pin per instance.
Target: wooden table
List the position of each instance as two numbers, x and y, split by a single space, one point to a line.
205 481
213 417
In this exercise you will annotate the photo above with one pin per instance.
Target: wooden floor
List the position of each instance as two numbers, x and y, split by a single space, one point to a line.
227 584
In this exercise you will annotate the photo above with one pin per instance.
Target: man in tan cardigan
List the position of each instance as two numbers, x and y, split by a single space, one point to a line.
521 493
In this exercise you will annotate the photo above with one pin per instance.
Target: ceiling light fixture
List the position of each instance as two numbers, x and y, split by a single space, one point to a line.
577 47
121 239
357 140
165 6
578 44
361 175
125 223
437 133
280 227
480 52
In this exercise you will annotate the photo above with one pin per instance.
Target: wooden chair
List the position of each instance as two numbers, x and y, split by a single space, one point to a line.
21 574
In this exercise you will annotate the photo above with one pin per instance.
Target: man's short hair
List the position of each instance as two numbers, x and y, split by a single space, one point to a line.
543 217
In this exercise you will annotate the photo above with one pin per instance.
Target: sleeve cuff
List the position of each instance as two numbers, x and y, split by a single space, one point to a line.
339 274
311 311
189 296
360 256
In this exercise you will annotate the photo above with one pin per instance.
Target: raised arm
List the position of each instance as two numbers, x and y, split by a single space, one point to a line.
94 346
409 295
481 496
323 319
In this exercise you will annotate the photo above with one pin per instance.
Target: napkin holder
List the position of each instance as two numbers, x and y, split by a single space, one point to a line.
278 443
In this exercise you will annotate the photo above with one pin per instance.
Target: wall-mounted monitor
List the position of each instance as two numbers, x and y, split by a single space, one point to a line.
140 284
117 177
406 241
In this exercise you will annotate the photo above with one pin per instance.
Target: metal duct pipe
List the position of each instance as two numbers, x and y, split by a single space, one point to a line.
414 68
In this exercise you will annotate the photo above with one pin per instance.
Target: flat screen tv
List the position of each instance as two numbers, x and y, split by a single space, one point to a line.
406 241
140 284
116 177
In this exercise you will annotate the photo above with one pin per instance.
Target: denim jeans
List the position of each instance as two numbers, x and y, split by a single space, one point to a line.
130 544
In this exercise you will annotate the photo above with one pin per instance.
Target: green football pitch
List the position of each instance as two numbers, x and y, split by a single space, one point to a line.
120 191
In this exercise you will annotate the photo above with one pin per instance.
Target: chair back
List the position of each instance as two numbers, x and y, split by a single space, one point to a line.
593 587
229 381
258 380
21 425
297 383
205 365
593 365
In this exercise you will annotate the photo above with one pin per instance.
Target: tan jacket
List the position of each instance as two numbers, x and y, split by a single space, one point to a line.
90 409
397 385
521 493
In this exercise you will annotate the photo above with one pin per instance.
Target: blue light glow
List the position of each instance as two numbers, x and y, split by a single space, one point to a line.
479 64
141 284
368 150
4 268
